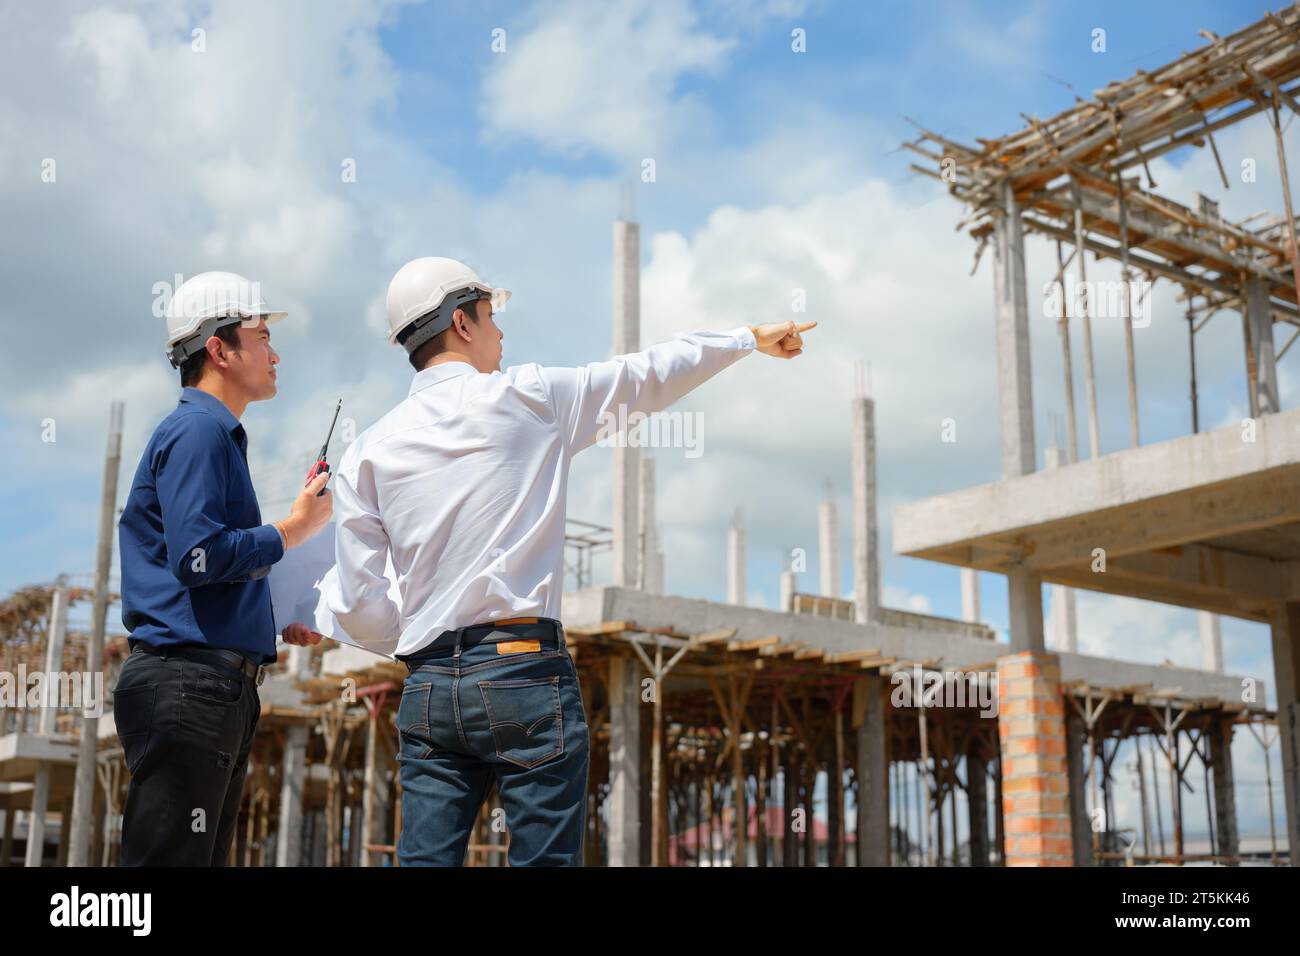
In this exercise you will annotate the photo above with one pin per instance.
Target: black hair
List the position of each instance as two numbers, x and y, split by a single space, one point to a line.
192 367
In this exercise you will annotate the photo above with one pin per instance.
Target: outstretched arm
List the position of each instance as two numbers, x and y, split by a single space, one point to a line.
590 397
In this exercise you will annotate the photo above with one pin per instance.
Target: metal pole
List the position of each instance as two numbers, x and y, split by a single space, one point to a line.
84 795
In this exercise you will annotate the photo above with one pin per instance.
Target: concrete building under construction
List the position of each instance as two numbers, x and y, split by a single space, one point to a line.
830 731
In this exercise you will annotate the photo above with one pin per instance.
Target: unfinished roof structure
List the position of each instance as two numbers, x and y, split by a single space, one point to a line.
1210 520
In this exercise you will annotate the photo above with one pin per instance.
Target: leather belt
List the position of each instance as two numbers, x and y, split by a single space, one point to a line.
483 633
231 660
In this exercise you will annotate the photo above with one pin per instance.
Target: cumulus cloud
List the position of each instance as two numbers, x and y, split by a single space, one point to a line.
602 77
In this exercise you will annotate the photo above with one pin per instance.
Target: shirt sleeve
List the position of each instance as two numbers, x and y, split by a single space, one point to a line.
192 476
360 602
588 399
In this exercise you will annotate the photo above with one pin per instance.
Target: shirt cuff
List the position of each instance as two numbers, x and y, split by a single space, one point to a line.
746 337
270 545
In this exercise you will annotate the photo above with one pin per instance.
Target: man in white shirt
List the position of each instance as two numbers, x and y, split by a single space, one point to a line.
464 483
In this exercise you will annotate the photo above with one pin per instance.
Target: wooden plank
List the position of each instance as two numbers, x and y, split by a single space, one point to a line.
607 627
756 644
841 657
721 636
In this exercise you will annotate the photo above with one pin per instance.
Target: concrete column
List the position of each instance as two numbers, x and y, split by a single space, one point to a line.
627 336
977 792
866 550
869 720
288 844
1259 350
1011 315
1225 803
787 590
970 594
1035 781
1211 642
736 565
828 539
1015 401
1025 611
624 798
1286 675
1076 741
1064 617
646 536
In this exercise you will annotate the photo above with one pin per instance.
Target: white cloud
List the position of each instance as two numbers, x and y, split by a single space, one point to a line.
601 76
606 78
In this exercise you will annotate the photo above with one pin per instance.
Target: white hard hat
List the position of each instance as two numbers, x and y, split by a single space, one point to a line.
425 292
206 302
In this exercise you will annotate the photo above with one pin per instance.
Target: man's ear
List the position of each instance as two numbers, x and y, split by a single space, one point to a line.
216 352
461 327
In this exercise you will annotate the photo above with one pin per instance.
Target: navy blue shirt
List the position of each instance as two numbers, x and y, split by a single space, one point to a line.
195 553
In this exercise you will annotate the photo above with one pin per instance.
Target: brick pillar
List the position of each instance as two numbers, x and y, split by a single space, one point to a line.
1035 780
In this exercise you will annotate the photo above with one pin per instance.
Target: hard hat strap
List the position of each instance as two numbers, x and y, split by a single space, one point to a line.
424 328
183 350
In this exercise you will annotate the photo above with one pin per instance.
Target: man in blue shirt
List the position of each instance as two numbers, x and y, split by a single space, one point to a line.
195 555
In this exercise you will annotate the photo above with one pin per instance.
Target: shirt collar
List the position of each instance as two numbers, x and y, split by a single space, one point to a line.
440 373
213 405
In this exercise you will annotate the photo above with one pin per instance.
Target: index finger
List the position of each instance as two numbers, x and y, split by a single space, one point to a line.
806 326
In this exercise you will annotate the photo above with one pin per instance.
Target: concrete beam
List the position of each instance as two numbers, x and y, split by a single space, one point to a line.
1192 576
1183 491
593 606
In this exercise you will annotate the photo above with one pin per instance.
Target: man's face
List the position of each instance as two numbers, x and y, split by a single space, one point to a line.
252 365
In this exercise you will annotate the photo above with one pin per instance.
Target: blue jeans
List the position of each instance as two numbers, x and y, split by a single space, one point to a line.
474 713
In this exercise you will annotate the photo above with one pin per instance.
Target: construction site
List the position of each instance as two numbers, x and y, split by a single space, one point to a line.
833 730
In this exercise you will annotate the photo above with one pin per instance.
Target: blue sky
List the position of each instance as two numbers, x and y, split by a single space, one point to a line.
774 170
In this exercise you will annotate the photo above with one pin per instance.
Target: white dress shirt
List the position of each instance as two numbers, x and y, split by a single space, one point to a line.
465 482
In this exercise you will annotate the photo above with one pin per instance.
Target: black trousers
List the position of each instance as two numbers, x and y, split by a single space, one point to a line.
186 728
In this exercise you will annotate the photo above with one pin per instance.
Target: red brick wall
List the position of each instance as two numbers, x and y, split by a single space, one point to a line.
1035 781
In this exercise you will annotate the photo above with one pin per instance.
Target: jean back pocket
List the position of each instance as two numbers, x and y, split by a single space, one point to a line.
525 718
